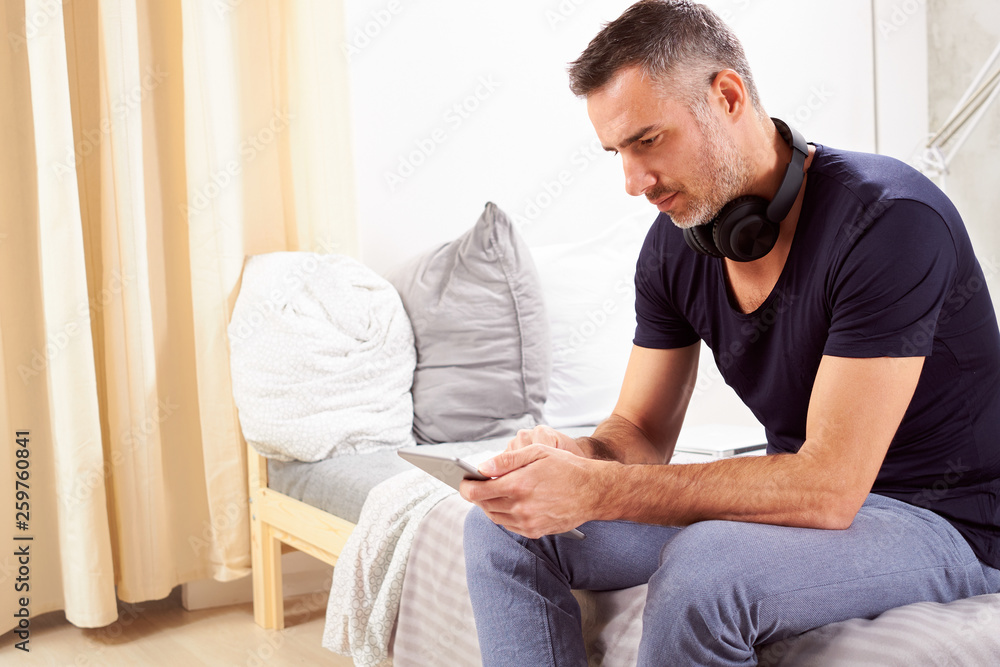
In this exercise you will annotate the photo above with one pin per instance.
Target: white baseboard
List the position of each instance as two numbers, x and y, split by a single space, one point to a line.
301 574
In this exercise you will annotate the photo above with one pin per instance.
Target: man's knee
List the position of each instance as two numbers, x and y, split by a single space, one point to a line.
718 558
700 542
708 584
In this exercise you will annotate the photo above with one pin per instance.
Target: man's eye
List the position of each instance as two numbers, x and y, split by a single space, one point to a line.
648 142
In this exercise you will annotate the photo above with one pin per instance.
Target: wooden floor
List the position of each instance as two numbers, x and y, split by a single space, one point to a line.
164 633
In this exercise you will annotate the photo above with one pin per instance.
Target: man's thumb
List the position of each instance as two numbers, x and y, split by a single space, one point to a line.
489 466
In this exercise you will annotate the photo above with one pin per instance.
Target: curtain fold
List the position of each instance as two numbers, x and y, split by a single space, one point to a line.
148 147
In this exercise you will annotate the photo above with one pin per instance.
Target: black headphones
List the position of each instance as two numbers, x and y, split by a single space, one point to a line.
747 227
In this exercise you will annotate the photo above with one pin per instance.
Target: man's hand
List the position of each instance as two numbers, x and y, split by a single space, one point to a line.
539 490
544 435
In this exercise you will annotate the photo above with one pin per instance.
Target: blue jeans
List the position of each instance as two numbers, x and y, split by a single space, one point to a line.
716 588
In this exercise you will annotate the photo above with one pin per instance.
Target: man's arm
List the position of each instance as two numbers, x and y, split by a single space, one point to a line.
854 410
644 425
655 394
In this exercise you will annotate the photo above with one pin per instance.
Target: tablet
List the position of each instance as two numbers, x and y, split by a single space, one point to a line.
452 470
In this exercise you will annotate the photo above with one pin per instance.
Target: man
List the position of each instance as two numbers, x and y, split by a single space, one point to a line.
864 341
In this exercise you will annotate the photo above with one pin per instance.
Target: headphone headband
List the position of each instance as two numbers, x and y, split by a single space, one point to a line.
789 190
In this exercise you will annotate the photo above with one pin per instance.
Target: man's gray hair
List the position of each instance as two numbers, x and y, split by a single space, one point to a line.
679 45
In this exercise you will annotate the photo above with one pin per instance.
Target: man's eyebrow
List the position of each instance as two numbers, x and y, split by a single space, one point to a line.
631 140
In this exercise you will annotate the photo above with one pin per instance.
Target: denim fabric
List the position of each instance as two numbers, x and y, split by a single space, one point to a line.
716 588
992 576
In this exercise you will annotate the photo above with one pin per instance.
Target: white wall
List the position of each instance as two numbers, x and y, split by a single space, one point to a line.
962 35
516 135
456 103
900 37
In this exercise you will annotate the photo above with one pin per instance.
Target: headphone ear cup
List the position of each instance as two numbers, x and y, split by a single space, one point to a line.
743 232
700 239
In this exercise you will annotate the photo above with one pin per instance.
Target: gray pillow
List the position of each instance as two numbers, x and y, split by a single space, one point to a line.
484 353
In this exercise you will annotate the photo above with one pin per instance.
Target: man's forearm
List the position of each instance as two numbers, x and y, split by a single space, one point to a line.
617 439
783 489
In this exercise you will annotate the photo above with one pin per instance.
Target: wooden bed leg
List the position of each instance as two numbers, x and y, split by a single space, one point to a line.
265 551
265 556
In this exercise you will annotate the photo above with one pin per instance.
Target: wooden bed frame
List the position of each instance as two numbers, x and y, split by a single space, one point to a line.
279 523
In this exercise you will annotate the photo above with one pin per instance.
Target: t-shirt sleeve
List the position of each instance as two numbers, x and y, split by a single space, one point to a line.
658 323
887 292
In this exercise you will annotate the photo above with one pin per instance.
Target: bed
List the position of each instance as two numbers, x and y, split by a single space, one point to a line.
394 533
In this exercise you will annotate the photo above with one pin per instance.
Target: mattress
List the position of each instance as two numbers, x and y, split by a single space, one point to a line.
338 485
341 484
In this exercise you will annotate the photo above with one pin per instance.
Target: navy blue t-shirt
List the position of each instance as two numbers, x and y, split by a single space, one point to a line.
880 266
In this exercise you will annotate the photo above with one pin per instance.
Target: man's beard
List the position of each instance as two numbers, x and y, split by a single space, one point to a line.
723 174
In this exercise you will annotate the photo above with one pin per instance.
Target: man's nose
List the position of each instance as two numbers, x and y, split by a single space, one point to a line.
638 178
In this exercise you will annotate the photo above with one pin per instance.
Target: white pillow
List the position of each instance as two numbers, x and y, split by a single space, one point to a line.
321 356
589 293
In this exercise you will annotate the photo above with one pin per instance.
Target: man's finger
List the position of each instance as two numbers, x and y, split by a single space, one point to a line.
480 492
545 435
520 440
498 505
512 459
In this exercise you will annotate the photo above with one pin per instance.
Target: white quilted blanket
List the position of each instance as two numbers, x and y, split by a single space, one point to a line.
322 358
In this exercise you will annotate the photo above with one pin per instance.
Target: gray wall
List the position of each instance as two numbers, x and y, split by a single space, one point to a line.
961 35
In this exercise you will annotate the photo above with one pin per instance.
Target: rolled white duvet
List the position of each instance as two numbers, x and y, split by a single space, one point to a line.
322 358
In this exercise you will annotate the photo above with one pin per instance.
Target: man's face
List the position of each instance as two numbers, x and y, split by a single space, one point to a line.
686 167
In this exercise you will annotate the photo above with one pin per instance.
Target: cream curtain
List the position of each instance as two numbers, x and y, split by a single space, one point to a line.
146 147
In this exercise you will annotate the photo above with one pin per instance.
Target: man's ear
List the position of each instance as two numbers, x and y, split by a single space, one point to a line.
730 93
